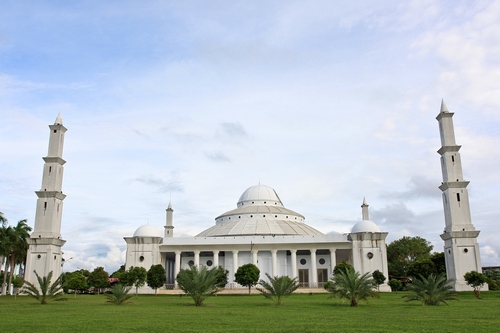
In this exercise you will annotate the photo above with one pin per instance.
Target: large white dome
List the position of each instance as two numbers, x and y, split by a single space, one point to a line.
147 231
365 226
260 212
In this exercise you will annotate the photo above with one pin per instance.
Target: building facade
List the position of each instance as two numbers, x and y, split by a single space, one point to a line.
263 232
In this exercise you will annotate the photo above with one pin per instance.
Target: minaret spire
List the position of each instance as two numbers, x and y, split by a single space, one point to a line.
460 237
169 228
44 253
364 210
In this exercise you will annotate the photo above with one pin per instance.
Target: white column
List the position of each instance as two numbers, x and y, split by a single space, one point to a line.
177 264
333 259
294 263
274 254
254 257
216 258
235 263
314 270
197 258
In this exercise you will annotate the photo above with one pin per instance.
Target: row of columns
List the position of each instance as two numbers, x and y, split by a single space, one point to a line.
274 257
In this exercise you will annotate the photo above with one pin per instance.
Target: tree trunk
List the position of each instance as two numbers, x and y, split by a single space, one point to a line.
4 289
12 268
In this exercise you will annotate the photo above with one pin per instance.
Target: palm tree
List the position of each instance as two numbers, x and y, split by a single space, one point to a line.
47 291
19 246
119 294
431 291
13 247
198 283
278 287
350 285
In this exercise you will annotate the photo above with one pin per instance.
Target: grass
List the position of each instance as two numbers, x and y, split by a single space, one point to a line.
300 313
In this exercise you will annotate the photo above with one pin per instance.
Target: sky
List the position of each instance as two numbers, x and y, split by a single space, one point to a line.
193 102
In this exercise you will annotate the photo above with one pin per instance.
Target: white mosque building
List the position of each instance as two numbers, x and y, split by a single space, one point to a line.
263 232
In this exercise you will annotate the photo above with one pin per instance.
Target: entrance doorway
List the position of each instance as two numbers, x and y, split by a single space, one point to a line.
304 278
322 276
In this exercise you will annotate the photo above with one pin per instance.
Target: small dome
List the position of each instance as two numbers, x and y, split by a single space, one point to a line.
365 226
260 195
147 231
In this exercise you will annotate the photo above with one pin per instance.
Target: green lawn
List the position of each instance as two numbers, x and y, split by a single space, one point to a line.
299 313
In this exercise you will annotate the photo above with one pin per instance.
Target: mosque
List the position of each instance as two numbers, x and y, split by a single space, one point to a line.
260 230
263 232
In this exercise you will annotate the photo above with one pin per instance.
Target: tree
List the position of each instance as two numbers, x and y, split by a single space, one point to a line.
439 262
402 252
75 281
156 277
118 294
350 285
424 267
136 276
222 277
395 285
46 291
476 280
119 273
432 290
247 276
17 283
278 287
493 279
198 283
342 266
98 279
378 277
13 246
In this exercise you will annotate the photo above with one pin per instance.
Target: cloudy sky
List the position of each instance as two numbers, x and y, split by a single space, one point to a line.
195 101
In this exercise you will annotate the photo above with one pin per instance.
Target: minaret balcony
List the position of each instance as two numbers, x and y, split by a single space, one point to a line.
457 184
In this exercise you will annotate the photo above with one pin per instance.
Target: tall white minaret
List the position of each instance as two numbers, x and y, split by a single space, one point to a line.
460 237
169 228
45 243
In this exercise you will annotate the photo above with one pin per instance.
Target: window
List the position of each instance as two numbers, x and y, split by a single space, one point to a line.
322 261
303 261
141 258
458 197
209 263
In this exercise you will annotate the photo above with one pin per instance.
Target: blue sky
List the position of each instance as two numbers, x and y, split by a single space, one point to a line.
193 102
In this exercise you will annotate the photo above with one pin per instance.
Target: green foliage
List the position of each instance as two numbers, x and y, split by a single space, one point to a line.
493 279
45 292
119 273
439 262
13 247
156 277
136 276
423 267
402 252
278 287
247 275
395 284
98 279
198 283
378 277
118 294
75 281
432 290
349 285
476 280
342 266
222 276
